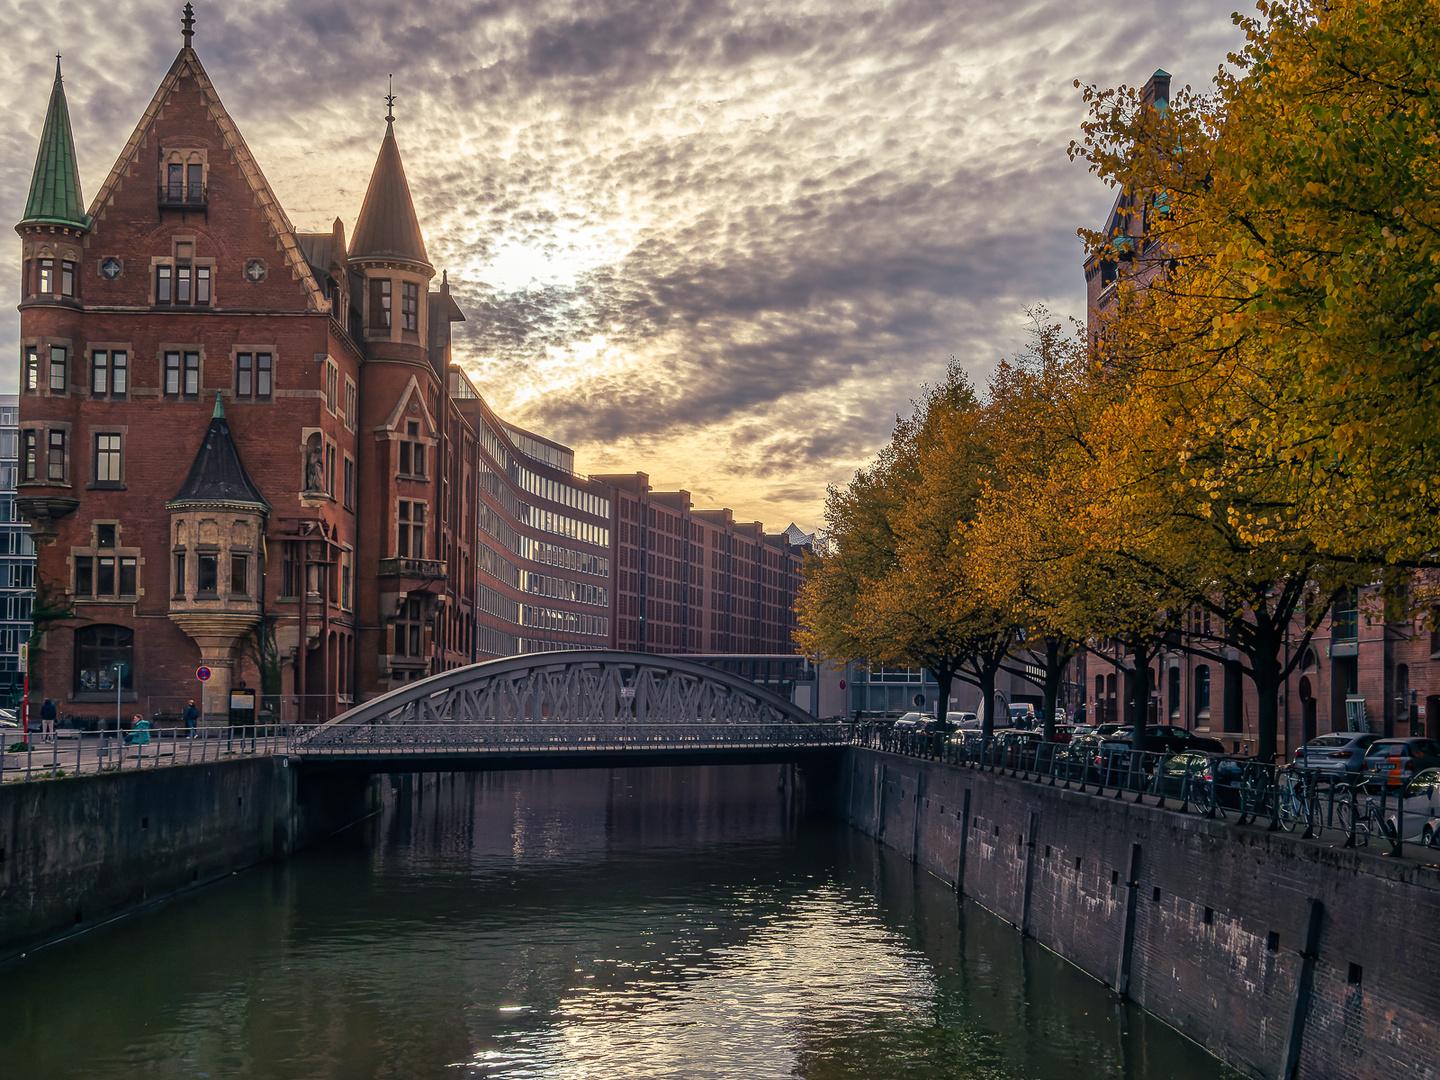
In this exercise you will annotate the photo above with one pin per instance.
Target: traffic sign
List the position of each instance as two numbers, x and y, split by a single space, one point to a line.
203 674
25 657
842 684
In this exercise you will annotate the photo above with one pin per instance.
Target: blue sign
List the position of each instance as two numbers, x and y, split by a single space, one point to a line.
203 674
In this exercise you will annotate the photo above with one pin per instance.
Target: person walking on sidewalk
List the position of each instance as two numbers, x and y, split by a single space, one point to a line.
47 721
192 717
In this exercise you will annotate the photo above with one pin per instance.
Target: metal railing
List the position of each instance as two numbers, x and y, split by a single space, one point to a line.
1342 808
77 752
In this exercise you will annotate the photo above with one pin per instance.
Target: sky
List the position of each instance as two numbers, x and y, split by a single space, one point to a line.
723 243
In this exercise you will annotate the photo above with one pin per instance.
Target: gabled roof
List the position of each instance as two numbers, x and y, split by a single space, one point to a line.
387 227
55 197
188 64
216 475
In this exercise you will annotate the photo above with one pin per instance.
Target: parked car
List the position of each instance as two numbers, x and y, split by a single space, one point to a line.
1393 761
964 721
1194 774
1341 753
1165 739
1064 732
911 721
1422 807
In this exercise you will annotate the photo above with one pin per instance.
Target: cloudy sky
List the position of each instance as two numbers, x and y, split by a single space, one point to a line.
719 242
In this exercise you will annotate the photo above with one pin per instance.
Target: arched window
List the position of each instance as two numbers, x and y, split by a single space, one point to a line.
1307 661
1173 700
1202 692
97 650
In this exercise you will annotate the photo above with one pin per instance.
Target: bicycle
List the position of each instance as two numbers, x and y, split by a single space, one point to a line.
1293 800
1359 822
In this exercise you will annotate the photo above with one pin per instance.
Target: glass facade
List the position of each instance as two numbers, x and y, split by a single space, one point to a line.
17 557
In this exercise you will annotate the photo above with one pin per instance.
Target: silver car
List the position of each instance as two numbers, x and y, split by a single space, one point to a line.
1340 752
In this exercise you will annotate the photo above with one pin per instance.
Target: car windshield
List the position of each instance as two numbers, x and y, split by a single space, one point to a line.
1388 749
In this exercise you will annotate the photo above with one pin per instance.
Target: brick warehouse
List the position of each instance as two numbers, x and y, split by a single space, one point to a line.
237 437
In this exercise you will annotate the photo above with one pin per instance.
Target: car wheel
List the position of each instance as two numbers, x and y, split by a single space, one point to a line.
1427 836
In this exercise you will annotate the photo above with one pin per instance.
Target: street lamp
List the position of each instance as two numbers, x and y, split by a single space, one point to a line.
119 684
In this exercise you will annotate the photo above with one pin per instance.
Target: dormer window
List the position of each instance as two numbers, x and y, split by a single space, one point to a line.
182 179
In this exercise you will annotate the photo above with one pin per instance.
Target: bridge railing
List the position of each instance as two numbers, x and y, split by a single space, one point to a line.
501 737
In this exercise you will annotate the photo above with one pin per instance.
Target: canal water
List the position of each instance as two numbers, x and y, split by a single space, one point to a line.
678 923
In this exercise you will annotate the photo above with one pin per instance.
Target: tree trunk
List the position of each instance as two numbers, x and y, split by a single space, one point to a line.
1139 694
1266 676
1054 668
986 678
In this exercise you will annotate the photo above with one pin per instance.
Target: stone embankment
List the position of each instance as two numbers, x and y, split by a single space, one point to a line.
1283 958
78 851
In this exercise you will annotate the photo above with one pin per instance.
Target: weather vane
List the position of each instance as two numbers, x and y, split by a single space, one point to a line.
188 22
390 102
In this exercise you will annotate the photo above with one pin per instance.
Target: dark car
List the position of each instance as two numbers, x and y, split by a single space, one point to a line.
1393 761
1194 775
1165 739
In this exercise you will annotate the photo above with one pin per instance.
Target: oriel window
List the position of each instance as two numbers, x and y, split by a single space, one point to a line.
380 304
207 566
239 575
55 460
46 283
57 369
32 368
67 278
411 535
409 305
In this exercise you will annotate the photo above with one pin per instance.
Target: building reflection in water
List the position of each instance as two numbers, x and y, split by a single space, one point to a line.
641 923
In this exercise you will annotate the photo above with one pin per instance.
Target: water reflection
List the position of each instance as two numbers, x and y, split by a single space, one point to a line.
668 923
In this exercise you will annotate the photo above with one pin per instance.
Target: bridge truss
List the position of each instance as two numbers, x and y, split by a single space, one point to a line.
567 702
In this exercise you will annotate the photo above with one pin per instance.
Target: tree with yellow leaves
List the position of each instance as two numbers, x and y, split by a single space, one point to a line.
1290 299
891 584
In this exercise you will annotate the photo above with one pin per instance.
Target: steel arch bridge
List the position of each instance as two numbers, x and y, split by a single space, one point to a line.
606 706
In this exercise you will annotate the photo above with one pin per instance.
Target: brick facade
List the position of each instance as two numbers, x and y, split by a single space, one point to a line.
400 527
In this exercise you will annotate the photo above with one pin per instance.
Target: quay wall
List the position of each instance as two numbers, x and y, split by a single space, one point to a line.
78 851
1282 957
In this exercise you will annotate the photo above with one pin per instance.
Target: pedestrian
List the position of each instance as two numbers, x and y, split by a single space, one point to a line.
47 721
192 717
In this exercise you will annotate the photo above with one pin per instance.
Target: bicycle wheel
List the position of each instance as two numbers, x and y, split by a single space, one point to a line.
1343 815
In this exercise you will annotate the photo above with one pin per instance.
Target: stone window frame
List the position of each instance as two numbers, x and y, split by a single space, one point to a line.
254 352
182 348
95 432
348 480
174 263
109 349
35 450
352 404
119 552
331 387
185 157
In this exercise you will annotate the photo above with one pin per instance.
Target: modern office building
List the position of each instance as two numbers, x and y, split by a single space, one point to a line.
17 558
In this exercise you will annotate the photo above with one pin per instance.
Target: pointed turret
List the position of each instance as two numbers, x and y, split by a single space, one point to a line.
55 197
216 475
387 227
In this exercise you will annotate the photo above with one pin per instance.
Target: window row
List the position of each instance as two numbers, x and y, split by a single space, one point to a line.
179 372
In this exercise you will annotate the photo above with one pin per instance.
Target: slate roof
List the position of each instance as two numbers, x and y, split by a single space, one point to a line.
217 476
387 227
55 197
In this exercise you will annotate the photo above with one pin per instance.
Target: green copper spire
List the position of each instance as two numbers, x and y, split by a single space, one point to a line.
219 413
55 197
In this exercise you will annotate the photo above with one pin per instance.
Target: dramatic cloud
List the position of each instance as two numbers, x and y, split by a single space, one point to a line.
720 242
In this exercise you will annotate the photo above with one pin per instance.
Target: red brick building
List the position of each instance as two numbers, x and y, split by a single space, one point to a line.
246 447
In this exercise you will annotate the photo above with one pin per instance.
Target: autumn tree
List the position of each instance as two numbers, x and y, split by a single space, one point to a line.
891 583
1289 224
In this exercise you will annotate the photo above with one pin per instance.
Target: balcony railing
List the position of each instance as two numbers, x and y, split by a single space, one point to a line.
431 569
182 196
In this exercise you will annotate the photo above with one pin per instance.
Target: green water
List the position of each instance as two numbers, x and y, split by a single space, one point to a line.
686 923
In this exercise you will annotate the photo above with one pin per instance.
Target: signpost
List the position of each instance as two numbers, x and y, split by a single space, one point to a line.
25 694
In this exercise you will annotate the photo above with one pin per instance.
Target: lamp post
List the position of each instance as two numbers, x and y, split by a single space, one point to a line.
119 685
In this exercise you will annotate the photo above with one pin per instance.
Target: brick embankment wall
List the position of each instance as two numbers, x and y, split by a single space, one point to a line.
78 851
1202 924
